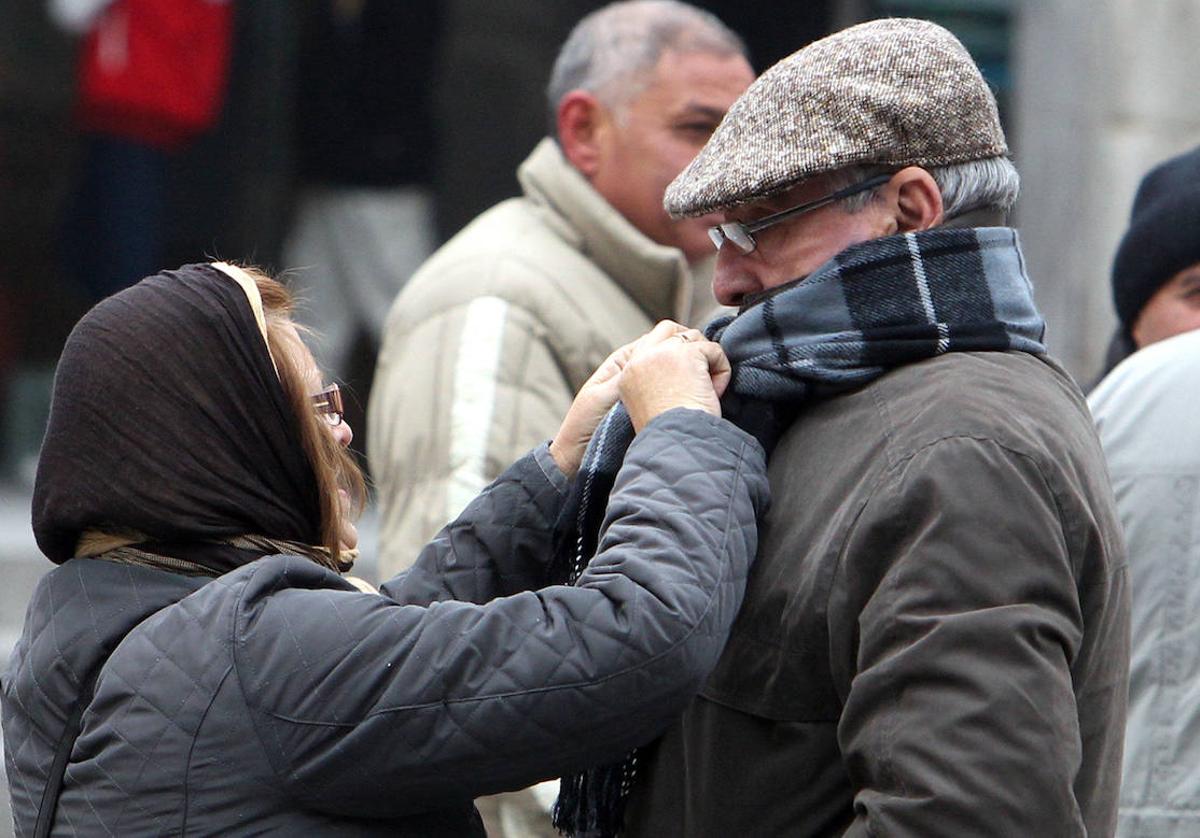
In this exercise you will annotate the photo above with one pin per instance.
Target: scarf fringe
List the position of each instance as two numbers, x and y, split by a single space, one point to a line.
592 803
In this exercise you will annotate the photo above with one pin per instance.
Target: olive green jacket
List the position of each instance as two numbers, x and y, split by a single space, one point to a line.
935 636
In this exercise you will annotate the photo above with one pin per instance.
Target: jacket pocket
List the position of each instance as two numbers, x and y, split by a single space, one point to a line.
782 678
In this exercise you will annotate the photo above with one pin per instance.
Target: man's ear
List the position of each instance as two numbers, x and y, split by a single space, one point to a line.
918 201
582 122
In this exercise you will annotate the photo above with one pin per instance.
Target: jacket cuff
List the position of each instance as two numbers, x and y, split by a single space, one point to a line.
700 424
550 469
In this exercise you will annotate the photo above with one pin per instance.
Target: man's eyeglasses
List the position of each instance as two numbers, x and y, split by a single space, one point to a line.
741 235
328 405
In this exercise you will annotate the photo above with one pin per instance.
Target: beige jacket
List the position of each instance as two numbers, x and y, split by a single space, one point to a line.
489 341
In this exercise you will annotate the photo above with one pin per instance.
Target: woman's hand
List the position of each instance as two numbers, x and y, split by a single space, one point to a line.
683 371
600 392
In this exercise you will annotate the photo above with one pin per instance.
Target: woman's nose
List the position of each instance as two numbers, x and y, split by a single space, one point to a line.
343 433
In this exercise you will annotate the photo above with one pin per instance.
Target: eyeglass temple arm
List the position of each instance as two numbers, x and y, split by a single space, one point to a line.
853 189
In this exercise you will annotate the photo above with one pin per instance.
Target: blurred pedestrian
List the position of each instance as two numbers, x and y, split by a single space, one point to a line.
364 147
935 634
197 664
1156 270
1145 410
139 103
489 341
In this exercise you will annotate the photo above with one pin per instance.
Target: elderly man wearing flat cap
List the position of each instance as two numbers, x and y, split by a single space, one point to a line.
934 639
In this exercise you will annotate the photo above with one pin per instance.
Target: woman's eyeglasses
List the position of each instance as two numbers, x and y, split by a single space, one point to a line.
328 405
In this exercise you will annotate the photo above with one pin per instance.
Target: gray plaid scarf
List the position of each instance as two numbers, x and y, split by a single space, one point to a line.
874 307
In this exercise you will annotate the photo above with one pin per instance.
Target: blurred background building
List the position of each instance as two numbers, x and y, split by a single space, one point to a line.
1093 93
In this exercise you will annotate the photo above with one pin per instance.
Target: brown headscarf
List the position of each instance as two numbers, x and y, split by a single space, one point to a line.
168 420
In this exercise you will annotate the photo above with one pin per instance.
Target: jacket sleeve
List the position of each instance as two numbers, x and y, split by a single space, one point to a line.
457 397
960 716
369 707
501 544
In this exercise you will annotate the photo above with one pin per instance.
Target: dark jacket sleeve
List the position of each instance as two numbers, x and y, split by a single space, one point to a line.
370 707
959 712
499 545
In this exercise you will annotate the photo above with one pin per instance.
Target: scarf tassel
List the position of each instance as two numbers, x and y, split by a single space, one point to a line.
591 804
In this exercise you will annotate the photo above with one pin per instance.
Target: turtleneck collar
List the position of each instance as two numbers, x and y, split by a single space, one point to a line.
655 276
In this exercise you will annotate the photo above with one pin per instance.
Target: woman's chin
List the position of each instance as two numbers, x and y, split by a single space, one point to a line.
348 534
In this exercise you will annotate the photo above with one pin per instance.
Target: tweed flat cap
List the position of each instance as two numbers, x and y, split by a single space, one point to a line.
895 92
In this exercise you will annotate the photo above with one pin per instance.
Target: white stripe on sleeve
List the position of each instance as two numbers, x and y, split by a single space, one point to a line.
474 399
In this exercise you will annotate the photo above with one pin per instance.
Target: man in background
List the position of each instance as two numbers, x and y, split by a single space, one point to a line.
488 342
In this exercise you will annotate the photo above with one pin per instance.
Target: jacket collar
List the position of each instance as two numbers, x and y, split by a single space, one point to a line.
655 276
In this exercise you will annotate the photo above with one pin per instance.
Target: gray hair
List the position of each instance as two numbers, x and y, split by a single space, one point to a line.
611 52
991 183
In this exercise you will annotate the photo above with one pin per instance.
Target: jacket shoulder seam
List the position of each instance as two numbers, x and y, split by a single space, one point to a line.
234 619
495 270
187 766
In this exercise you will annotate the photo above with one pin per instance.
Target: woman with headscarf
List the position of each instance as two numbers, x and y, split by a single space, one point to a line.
196 664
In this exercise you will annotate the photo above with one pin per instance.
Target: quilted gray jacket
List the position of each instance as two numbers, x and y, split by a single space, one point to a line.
276 699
